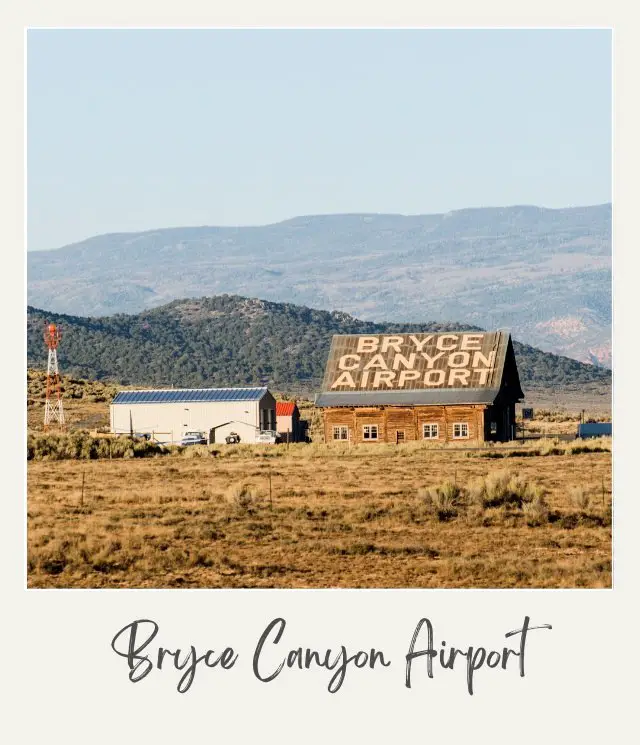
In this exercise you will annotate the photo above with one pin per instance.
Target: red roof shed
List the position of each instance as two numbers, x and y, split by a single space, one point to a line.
285 408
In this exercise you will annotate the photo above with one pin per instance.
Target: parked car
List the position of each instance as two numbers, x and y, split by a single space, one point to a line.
233 438
193 438
267 436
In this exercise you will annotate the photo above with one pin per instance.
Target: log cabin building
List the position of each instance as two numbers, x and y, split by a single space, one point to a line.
445 387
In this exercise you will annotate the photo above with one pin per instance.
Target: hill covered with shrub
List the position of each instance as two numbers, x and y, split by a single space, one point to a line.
545 273
229 340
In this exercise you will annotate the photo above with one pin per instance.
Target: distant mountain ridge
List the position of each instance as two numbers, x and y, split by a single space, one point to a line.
544 273
231 340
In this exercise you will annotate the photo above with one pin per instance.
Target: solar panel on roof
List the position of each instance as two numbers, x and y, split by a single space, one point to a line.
189 395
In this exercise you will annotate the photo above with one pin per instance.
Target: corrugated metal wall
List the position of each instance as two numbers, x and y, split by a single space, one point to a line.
168 422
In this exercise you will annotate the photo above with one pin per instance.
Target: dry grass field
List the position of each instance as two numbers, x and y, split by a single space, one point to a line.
369 516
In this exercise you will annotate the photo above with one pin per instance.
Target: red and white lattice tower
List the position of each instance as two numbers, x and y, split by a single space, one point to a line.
53 411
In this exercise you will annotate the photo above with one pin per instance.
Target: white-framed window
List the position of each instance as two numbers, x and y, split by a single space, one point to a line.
341 433
370 432
460 430
430 431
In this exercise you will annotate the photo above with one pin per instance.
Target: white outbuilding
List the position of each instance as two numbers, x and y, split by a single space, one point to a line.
168 415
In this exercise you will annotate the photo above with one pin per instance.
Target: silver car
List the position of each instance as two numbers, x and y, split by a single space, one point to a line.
193 438
267 436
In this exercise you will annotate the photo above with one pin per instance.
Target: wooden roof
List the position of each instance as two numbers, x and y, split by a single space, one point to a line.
419 369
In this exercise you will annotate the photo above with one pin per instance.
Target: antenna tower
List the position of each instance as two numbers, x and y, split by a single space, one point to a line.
53 411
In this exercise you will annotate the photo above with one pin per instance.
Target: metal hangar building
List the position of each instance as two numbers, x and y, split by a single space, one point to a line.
216 412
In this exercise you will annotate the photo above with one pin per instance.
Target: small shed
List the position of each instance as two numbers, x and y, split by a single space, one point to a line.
288 421
594 429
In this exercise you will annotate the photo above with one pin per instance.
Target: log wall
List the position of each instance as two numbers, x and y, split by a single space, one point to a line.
403 424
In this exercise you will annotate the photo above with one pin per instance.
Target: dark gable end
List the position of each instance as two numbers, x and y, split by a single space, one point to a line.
268 400
510 388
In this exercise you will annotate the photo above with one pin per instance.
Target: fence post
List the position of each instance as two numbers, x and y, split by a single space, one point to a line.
82 490
270 495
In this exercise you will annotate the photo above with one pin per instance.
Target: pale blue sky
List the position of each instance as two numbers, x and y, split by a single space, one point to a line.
134 130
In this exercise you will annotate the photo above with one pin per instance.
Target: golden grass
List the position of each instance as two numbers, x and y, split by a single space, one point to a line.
336 517
416 515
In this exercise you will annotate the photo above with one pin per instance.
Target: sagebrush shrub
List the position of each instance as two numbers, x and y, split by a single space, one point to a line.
84 446
443 499
241 495
580 498
551 447
502 488
496 486
536 512
196 451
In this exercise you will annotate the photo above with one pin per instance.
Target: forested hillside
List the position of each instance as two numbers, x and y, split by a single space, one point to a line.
230 340
545 273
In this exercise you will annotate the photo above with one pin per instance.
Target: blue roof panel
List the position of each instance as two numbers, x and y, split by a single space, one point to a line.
189 395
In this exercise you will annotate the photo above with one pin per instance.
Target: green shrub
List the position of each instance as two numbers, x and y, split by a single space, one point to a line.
83 446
